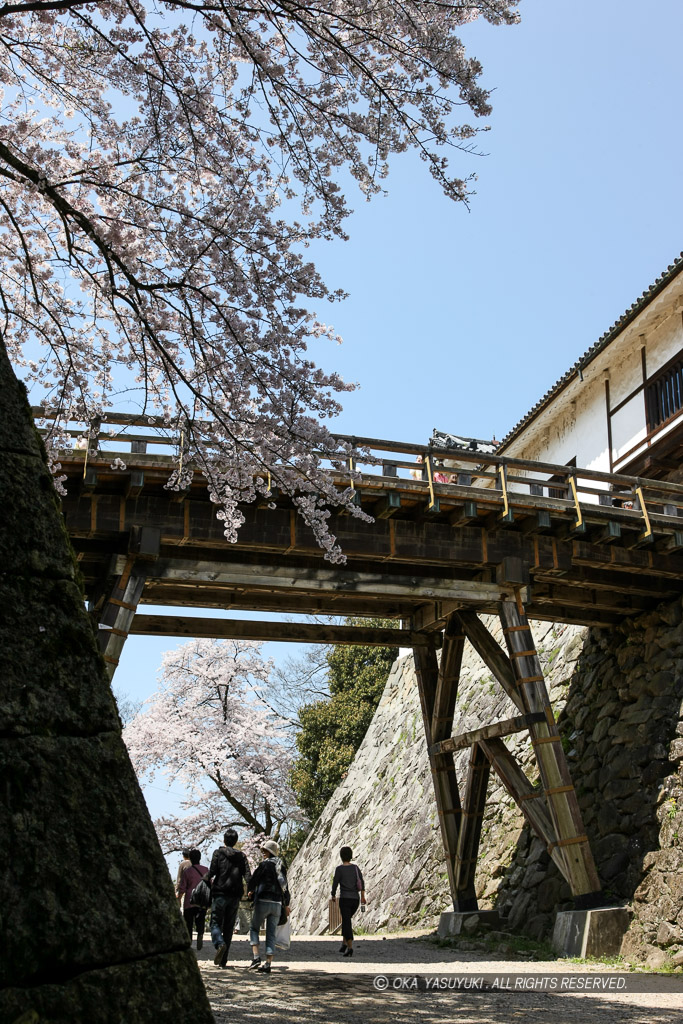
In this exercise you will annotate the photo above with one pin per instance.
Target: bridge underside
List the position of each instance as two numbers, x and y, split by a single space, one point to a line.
433 560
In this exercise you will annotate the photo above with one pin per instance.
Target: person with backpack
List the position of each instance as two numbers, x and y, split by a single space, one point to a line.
228 869
271 903
194 914
349 878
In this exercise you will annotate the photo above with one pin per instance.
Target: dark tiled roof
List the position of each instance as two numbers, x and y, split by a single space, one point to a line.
440 439
626 318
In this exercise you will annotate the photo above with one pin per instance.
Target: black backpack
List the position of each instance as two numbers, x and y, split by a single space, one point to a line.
201 894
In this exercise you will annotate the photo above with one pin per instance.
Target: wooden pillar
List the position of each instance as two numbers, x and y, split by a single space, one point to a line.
438 686
119 610
570 838
470 828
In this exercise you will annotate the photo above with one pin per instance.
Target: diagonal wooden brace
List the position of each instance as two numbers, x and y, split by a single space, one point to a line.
569 833
118 613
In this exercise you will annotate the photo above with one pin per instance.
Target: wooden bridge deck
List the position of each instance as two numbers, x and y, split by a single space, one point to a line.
581 558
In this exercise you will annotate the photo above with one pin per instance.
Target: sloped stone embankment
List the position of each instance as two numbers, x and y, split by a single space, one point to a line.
618 697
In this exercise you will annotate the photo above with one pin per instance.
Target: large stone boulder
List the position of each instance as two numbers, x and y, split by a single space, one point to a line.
92 931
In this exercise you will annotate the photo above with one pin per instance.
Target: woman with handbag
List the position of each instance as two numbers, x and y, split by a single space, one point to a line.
192 912
351 884
271 903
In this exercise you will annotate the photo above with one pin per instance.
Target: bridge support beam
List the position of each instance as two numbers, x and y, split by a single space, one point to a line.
561 800
438 686
552 811
118 613
116 617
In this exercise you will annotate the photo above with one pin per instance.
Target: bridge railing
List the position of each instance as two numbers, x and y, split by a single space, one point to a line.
435 472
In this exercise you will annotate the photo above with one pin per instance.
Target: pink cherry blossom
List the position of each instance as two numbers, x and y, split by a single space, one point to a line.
165 167
208 730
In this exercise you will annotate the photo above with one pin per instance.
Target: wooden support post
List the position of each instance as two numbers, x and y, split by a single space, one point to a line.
563 806
438 688
470 828
119 610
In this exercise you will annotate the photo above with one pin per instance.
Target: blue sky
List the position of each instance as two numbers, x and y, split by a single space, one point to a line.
462 320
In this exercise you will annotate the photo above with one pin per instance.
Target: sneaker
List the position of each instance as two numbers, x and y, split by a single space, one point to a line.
264 968
219 954
255 964
200 941
343 947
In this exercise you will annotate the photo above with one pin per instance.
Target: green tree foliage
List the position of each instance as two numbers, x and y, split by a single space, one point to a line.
332 730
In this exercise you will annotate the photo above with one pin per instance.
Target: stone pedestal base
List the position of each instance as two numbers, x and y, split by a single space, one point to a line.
583 933
454 922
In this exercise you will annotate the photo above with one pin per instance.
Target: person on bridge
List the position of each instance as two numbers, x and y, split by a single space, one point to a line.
351 884
271 903
193 914
228 868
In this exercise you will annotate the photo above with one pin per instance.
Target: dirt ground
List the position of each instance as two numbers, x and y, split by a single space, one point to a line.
312 984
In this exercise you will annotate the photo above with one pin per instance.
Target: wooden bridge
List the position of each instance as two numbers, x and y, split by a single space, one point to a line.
457 534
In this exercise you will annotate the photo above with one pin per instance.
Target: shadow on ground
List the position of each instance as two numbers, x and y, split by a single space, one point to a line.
312 983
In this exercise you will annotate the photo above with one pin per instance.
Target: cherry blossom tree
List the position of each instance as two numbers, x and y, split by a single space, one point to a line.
207 728
164 167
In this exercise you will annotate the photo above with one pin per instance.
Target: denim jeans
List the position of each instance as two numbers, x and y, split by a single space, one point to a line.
268 911
223 913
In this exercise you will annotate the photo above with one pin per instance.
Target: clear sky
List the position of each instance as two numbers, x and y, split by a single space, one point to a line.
462 320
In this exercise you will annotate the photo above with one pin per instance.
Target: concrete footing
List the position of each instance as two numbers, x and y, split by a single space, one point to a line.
453 922
597 932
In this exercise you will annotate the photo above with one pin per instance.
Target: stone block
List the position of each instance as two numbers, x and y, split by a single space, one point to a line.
614 866
33 539
453 922
95 887
17 432
586 933
94 927
49 661
668 934
676 750
656 959
537 926
151 991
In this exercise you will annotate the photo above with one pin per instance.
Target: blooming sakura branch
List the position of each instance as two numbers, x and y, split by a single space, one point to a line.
207 729
165 168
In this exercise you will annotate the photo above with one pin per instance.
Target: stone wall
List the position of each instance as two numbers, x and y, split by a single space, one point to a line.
623 732
617 694
385 808
88 911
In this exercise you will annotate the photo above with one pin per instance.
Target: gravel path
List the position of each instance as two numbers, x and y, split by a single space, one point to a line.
313 984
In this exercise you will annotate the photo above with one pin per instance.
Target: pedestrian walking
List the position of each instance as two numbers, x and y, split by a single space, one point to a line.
229 868
271 903
349 879
195 916
185 863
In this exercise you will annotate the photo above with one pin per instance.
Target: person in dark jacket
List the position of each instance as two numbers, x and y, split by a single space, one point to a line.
228 868
351 884
270 892
189 880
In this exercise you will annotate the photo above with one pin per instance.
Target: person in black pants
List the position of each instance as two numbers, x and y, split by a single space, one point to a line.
228 869
351 884
193 914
